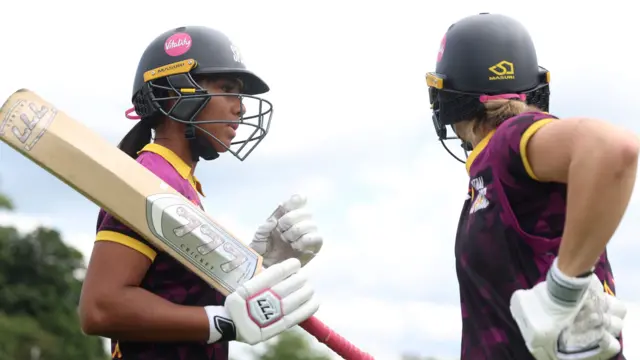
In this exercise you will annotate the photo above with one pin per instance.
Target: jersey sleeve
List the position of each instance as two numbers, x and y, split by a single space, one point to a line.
110 228
513 137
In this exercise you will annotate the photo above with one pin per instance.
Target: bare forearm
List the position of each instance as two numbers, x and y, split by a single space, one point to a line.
138 315
600 184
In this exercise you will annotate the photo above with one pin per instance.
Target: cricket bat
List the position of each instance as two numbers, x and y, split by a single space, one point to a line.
112 180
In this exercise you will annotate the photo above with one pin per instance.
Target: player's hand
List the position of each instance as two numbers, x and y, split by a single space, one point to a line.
592 335
290 232
271 302
548 308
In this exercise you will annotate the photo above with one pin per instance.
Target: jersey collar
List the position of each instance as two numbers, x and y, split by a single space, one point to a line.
181 167
478 149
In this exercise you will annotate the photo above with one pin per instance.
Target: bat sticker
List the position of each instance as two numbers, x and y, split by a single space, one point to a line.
192 235
29 115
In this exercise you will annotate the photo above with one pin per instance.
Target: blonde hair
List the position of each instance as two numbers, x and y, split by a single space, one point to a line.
496 112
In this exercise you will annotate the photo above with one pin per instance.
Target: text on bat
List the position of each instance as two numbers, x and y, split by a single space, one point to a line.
28 119
216 240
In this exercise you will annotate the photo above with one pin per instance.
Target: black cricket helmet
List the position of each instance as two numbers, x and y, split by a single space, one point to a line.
168 70
481 58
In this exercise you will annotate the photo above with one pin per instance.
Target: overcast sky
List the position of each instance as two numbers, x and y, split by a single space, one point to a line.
352 130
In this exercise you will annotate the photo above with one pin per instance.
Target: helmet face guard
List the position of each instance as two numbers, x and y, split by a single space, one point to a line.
482 58
166 85
187 99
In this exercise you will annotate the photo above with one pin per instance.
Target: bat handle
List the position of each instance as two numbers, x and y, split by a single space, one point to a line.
335 342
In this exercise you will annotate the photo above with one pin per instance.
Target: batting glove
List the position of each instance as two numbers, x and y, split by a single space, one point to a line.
266 305
545 310
592 335
290 232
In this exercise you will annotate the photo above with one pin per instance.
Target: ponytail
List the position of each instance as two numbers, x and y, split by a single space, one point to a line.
136 138
498 111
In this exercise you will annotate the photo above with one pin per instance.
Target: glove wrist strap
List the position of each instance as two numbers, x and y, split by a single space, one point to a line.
221 327
565 290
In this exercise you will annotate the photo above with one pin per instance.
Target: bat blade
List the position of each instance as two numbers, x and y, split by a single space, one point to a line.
137 197
117 183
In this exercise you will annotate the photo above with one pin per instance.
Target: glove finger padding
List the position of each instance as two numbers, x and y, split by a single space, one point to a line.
309 243
265 229
302 313
295 232
289 285
260 242
294 218
296 201
269 277
614 306
614 325
296 299
605 349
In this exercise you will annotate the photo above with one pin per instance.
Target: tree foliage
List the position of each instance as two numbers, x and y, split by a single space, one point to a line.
292 345
5 203
417 357
39 293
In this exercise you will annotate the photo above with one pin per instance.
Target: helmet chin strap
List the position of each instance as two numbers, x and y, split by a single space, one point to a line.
200 148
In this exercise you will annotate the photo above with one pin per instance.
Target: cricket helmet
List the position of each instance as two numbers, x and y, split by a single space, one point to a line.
168 70
483 57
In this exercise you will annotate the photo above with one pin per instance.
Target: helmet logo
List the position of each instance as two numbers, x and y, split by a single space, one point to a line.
503 70
237 56
443 43
177 44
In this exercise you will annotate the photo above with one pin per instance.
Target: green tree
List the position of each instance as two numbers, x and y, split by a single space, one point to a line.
39 293
5 203
290 345
417 357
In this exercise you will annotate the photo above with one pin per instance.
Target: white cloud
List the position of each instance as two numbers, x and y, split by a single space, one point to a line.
24 223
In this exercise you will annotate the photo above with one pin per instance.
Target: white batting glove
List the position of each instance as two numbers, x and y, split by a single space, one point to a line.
545 310
289 232
592 335
268 304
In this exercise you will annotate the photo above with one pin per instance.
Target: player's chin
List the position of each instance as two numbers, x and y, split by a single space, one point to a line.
226 143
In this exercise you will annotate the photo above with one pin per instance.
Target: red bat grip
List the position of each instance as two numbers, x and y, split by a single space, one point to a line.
335 342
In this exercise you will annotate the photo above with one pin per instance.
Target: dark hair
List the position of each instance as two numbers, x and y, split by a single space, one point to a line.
138 136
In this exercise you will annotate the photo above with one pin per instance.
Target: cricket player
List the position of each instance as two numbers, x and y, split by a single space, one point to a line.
190 92
545 196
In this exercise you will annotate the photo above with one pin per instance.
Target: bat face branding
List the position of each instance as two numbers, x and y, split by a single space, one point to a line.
183 227
29 121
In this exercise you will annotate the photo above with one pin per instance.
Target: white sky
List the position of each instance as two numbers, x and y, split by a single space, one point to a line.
348 89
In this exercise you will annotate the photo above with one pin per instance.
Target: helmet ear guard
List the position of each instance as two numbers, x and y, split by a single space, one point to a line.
436 83
170 82
188 95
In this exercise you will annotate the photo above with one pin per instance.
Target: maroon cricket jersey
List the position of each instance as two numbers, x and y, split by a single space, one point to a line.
508 235
166 277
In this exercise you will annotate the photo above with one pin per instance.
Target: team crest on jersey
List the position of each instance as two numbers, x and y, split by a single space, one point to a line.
478 195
